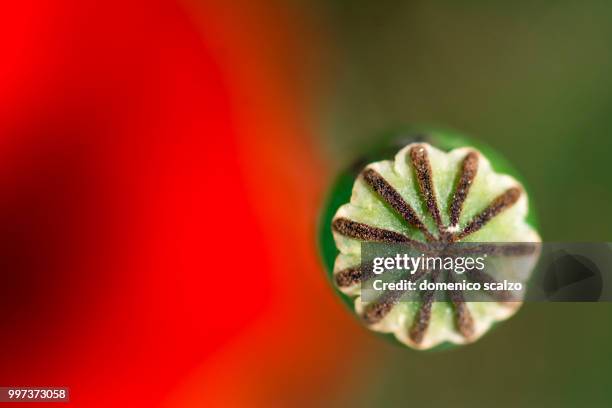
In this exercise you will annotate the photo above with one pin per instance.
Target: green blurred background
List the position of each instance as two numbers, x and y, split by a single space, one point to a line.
534 81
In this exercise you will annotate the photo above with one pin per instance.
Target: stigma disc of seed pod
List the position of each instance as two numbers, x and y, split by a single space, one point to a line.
426 196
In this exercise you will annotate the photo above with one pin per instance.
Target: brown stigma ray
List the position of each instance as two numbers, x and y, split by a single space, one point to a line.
502 202
469 169
377 310
395 200
463 317
422 168
423 316
365 232
351 276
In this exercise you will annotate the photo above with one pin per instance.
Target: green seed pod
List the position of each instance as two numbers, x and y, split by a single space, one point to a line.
439 189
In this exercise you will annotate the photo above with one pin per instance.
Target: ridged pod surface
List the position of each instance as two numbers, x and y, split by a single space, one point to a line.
429 195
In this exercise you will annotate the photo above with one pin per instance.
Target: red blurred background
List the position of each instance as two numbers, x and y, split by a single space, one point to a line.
159 189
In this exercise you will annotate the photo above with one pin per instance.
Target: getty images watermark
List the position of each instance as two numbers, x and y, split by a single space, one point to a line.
489 272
